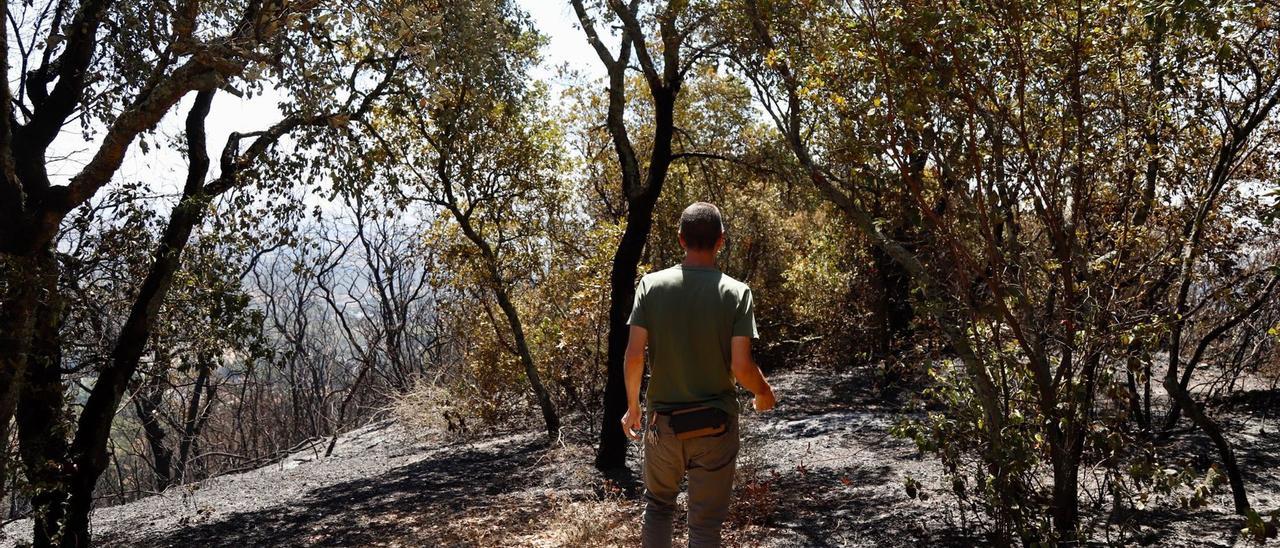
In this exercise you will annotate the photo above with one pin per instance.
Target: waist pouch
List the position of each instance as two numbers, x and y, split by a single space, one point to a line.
696 422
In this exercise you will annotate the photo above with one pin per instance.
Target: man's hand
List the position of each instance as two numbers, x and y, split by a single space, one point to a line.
631 423
765 400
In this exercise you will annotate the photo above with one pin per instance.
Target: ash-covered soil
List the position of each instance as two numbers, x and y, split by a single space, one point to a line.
821 470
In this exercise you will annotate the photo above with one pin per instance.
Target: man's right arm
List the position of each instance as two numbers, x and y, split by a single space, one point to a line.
748 373
633 366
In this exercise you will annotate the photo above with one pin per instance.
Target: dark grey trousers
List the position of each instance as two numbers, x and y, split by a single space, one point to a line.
708 461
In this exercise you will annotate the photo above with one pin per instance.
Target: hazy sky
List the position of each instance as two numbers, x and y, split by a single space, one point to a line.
567 44
165 168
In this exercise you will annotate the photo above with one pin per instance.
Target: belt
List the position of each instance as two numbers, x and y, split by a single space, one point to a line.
668 412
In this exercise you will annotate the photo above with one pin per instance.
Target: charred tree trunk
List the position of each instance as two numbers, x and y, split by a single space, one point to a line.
622 292
1264 296
147 404
1239 496
89 448
193 421
18 302
893 300
41 416
641 190
1066 448
1066 494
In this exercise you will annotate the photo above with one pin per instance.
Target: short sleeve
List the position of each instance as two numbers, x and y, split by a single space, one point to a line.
638 318
744 319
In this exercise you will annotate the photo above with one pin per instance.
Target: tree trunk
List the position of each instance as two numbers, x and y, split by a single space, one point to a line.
499 285
89 448
1065 506
41 417
664 86
1155 73
346 401
17 312
1238 494
147 404
1263 297
612 453
893 304
193 420
549 415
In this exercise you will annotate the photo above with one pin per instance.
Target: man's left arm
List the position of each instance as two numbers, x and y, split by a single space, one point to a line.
632 422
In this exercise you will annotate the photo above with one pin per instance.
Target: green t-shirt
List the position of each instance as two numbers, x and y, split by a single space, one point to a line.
691 313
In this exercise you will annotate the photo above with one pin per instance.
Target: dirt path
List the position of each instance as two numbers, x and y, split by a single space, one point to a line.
820 471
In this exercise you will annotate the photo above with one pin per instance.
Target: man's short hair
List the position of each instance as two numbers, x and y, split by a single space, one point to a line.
701 225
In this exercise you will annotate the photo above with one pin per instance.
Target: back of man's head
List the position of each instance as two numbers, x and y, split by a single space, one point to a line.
701 226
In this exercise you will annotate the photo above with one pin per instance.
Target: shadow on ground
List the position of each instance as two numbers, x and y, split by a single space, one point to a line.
416 501
834 478
862 506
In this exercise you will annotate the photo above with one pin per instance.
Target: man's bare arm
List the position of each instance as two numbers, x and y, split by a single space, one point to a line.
634 373
749 375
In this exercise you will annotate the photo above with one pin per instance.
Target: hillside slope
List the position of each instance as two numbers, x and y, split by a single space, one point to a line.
820 471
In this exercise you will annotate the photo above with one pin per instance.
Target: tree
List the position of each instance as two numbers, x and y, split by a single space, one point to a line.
664 75
389 290
466 137
1021 159
272 35
59 42
206 333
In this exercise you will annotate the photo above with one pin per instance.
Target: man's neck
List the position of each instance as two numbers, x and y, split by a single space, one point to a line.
699 260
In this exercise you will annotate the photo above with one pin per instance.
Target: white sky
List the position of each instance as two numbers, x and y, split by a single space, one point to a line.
566 42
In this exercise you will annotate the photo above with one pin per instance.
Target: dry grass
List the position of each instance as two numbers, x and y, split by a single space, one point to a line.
611 521
573 506
581 508
431 408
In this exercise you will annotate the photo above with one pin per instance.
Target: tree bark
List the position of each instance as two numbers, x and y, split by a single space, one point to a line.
11 194
17 313
147 404
1239 496
622 291
549 416
1264 296
1066 492
1155 73
41 420
893 300
193 420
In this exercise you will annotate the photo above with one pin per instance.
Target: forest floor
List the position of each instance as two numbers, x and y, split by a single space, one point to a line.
821 470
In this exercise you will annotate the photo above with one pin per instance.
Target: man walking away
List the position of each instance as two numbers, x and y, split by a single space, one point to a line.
698 324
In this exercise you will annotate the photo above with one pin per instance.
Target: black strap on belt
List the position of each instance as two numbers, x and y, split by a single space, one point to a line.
698 421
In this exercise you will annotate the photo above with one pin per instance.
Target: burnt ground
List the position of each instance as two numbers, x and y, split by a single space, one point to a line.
821 470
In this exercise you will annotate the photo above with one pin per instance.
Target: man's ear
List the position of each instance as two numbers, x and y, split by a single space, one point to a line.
719 243
683 245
